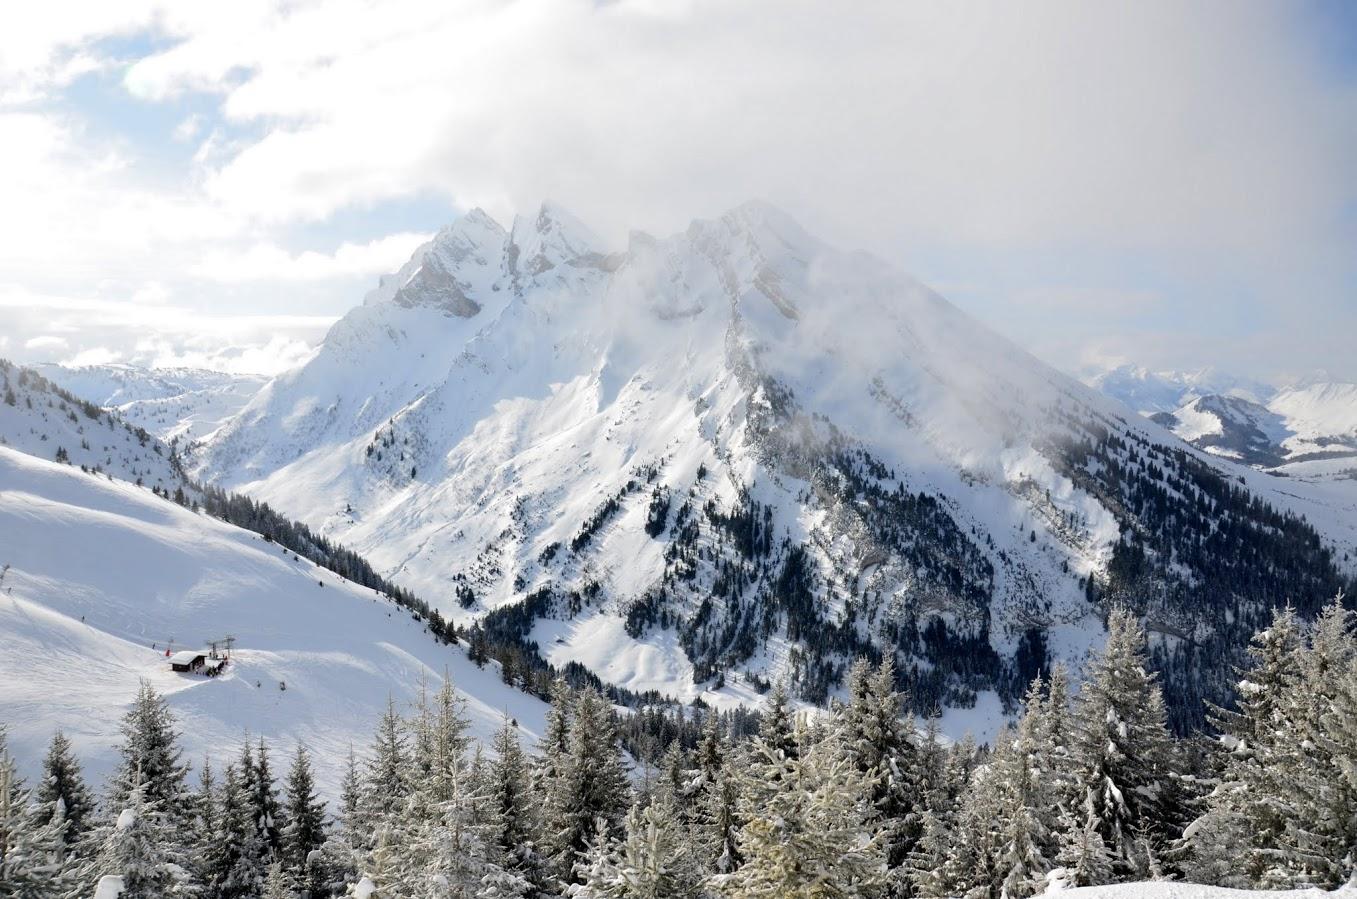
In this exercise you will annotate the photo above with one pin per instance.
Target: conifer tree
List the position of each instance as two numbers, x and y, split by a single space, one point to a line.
808 829
1083 853
304 832
877 737
652 861
513 823
351 800
1124 753
235 860
277 885
140 850
387 786
776 728
592 785
1320 845
1239 835
265 808
62 794
150 756
32 853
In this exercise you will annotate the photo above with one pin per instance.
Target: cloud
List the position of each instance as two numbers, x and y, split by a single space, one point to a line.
268 262
1154 125
156 335
1181 156
45 342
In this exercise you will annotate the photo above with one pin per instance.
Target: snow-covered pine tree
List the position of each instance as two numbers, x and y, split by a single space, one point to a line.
1083 855
717 818
809 827
235 857
1320 845
265 807
277 885
555 743
448 743
150 755
879 739
205 825
62 794
140 850
592 786
304 834
777 727
940 775
514 825
652 861
33 861
1124 754
351 800
1236 839
387 785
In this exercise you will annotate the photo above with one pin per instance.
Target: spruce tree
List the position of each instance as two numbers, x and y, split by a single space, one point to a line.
387 786
1320 845
235 860
651 861
265 807
514 825
277 885
33 861
139 849
1124 754
808 829
150 756
62 794
878 738
304 832
1237 838
592 784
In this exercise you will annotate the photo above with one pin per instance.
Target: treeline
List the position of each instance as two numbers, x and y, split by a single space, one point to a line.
854 802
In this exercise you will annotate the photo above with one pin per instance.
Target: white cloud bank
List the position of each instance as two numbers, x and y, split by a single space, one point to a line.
1203 145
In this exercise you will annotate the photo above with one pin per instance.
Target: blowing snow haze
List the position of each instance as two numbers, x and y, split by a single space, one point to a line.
912 454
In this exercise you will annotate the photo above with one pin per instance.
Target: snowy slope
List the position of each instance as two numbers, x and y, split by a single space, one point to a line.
171 403
1190 891
735 449
46 421
100 570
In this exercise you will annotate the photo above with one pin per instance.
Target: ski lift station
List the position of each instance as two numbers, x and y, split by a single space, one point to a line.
209 662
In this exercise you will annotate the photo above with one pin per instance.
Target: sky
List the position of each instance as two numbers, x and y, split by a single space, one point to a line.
213 184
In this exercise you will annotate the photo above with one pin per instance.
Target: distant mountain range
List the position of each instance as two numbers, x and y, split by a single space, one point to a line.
174 404
1305 430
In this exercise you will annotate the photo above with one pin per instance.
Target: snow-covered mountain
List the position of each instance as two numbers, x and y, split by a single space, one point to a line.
99 575
1146 391
1306 430
738 453
42 419
172 403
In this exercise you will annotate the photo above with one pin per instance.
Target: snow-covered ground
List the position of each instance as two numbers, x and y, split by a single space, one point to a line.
1190 891
102 575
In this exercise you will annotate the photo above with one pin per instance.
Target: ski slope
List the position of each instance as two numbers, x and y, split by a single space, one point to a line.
101 570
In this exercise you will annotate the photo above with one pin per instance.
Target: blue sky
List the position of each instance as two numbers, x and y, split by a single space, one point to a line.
1159 183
